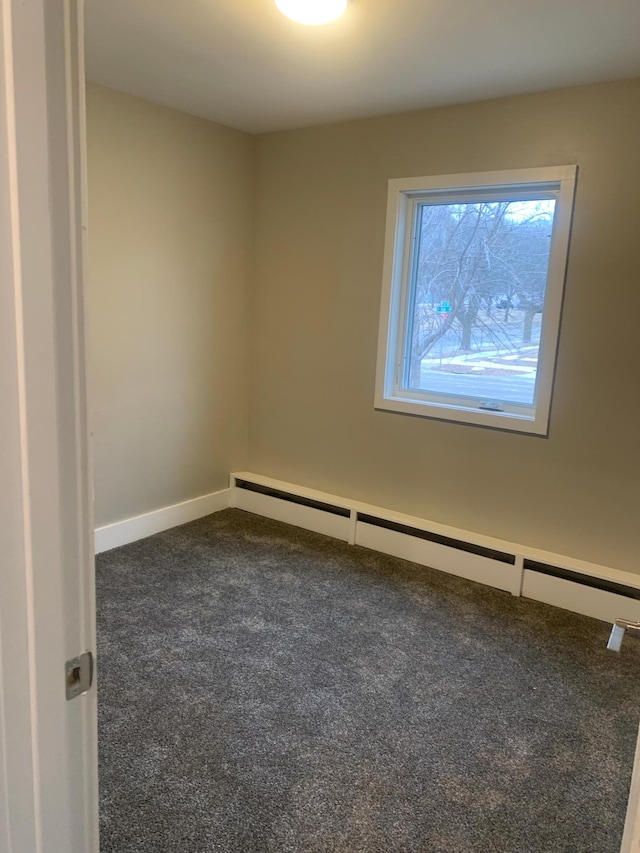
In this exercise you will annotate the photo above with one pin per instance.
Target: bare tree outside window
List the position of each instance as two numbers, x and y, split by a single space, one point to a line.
477 296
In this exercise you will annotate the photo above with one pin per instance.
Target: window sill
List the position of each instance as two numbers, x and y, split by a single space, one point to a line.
509 421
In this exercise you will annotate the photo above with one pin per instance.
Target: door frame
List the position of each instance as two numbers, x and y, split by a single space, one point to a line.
48 745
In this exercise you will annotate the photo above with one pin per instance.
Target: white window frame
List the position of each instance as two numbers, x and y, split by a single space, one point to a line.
403 198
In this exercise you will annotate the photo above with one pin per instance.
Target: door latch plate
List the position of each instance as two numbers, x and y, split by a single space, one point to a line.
78 675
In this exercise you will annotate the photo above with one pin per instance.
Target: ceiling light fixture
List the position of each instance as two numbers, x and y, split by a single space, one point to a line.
312 12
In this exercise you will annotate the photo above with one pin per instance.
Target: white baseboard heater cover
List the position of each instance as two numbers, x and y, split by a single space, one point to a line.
449 555
587 594
586 588
319 516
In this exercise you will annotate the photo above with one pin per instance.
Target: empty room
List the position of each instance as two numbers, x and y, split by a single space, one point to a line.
362 306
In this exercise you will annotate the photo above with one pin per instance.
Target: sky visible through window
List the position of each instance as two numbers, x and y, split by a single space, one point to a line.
477 296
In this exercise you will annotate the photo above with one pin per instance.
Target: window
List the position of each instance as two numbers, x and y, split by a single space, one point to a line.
473 278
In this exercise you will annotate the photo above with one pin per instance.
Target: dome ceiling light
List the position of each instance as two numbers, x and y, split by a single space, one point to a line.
312 12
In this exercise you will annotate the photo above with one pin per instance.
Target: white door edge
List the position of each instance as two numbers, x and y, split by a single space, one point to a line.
631 838
48 746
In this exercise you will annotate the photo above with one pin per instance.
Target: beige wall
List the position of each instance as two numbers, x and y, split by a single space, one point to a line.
170 205
320 227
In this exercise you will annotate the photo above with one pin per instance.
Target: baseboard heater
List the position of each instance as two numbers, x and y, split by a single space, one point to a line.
292 498
584 580
576 585
282 504
449 554
458 544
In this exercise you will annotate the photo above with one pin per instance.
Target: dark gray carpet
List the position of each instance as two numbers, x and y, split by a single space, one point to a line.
267 690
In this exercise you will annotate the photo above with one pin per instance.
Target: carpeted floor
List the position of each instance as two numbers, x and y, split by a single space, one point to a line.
263 689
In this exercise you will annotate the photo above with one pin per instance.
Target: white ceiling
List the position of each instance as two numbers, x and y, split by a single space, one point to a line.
241 63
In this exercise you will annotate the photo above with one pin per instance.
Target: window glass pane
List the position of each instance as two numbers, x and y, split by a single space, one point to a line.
476 299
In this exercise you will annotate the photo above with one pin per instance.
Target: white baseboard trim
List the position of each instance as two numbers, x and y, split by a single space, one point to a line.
588 588
141 526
